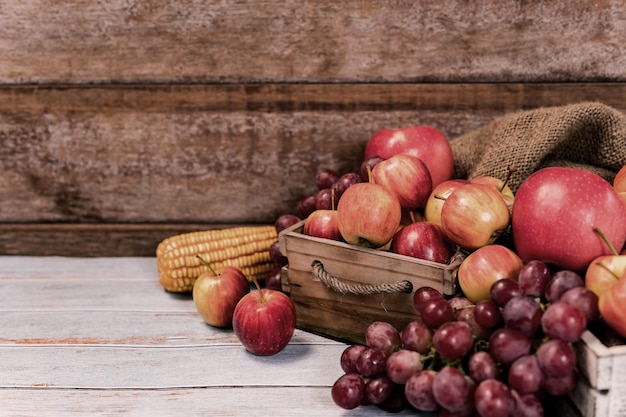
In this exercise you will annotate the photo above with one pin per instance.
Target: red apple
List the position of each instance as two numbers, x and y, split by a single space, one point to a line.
474 215
604 272
555 212
422 240
322 223
485 266
425 142
407 177
368 215
612 306
216 295
432 211
264 321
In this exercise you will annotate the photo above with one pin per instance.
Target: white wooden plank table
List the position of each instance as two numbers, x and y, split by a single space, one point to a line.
99 336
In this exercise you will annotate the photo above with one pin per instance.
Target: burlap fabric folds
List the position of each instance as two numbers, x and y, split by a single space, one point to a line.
587 135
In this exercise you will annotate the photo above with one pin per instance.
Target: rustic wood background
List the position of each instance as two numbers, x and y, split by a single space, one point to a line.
123 122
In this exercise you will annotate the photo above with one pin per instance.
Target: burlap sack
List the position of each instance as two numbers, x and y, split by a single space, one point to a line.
587 135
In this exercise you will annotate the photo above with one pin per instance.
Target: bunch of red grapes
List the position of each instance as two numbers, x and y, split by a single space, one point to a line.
500 357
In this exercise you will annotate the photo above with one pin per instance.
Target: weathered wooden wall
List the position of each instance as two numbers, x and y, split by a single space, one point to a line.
122 122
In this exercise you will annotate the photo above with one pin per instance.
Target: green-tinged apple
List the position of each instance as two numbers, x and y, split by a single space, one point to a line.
425 142
368 215
474 215
486 265
322 223
432 211
216 295
612 306
423 240
555 213
407 177
264 321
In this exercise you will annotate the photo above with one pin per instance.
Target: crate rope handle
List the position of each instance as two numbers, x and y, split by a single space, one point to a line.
336 284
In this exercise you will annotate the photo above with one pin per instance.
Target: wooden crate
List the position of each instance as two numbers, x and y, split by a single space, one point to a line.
323 310
601 389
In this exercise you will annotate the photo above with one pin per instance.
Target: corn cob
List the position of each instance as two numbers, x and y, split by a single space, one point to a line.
245 247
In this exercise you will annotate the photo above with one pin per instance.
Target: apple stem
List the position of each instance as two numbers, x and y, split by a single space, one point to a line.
412 216
207 264
259 291
606 240
332 198
440 197
369 174
507 179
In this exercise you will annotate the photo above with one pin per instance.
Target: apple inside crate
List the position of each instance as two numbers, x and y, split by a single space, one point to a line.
601 389
345 315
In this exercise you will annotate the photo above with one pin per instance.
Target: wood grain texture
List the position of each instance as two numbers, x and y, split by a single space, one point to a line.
311 41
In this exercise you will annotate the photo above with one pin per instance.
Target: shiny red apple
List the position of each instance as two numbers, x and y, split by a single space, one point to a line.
423 240
407 177
264 321
216 295
425 142
474 215
439 194
368 215
481 268
322 223
555 212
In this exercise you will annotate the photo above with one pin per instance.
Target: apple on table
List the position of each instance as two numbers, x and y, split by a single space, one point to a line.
216 295
264 321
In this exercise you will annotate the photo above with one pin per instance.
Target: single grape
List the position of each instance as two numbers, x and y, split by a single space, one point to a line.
563 321
527 405
506 345
276 255
451 389
522 313
285 221
482 366
418 391
452 340
423 295
458 303
585 299
402 364
372 362
348 391
494 399
382 335
324 200
273 280
466 315
378 389
556 358
306 206
416 336
396 401
344 182
503 290
560 282
436 312
349 357
560 385
525 375
487 314
325 178
533 277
